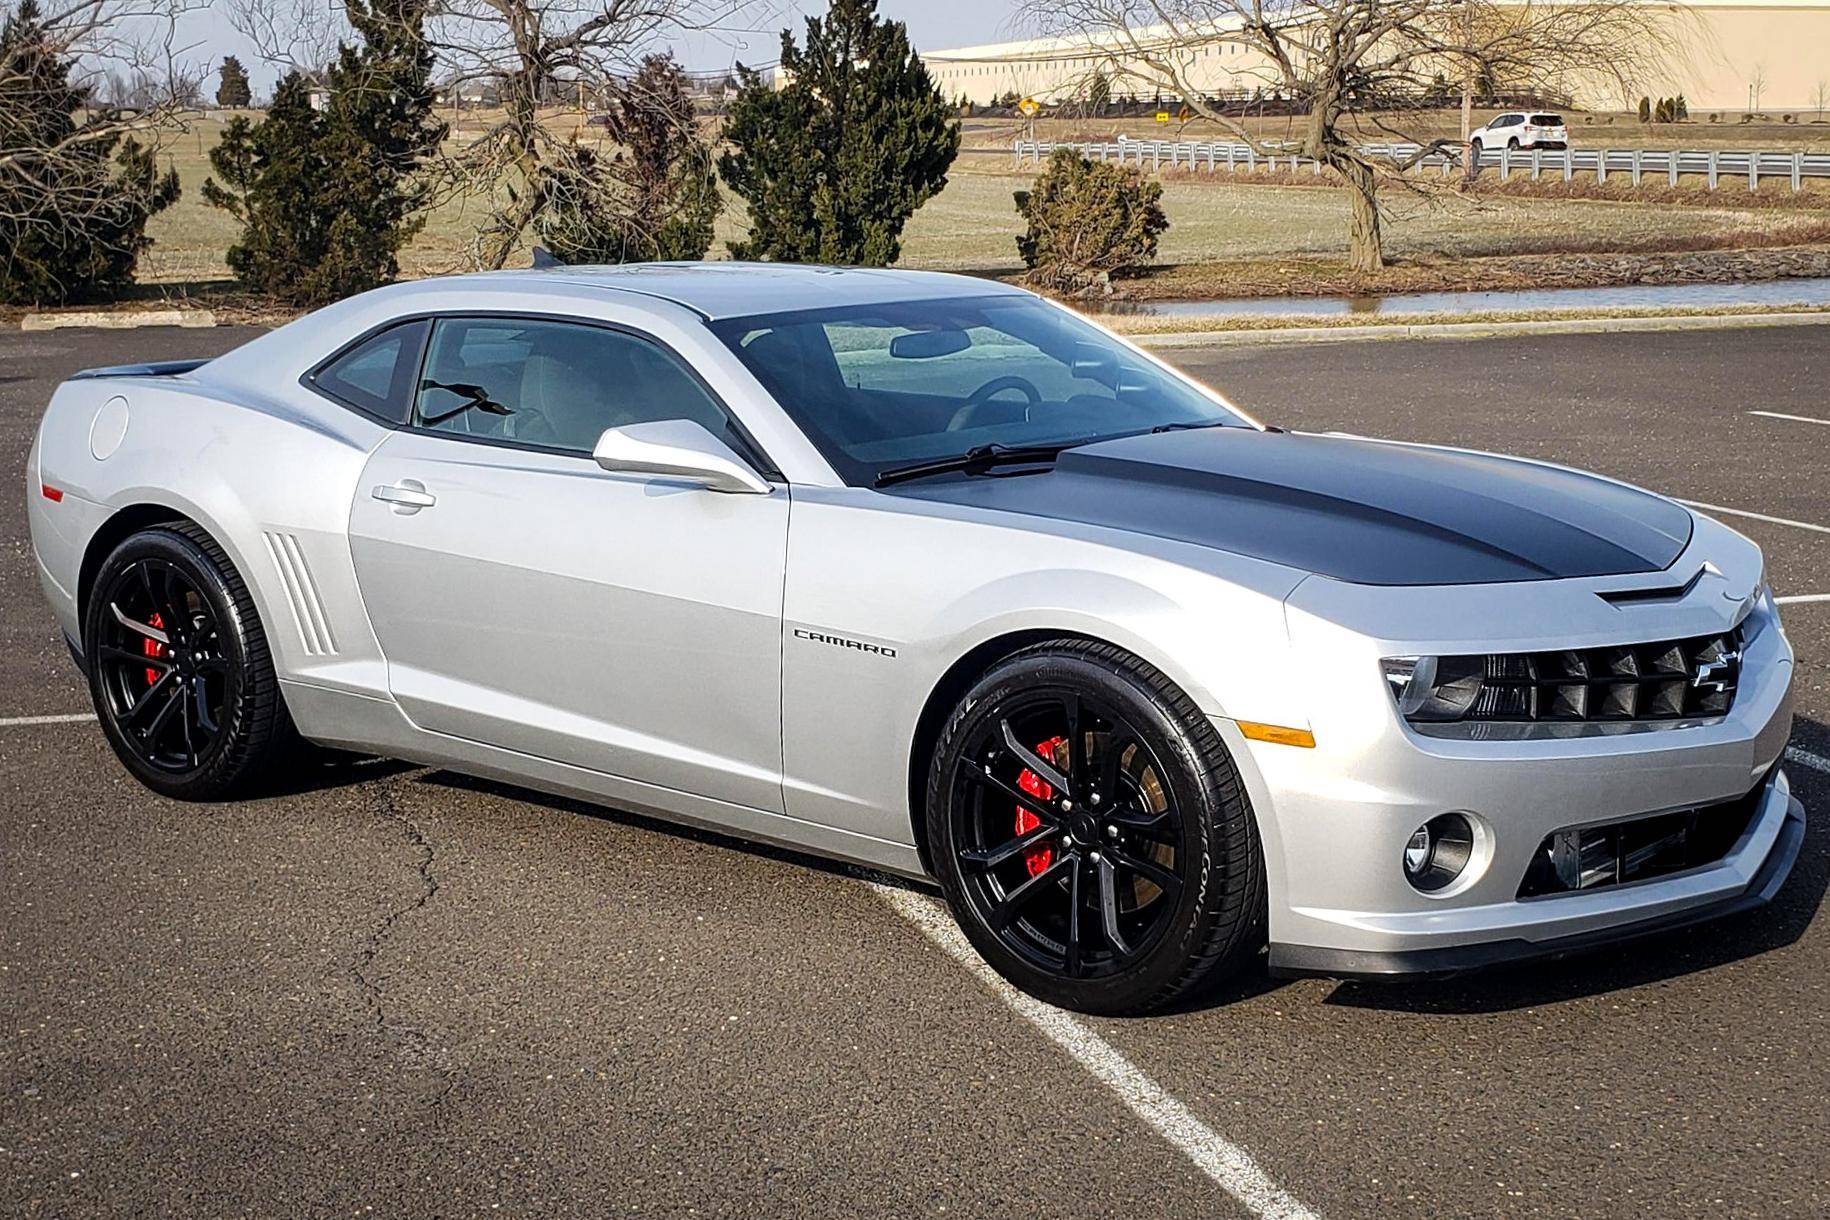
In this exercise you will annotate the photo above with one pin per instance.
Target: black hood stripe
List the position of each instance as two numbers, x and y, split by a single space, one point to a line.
1364 511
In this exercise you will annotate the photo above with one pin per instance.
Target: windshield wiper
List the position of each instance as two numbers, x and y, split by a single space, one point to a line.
1184 426
975 460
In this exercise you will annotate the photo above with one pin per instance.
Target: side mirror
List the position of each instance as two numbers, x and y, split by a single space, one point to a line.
676 449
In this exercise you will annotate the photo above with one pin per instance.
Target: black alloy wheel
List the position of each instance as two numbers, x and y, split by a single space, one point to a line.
179 668
1090 831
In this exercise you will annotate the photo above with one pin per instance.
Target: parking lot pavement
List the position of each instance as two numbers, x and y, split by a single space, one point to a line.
400 990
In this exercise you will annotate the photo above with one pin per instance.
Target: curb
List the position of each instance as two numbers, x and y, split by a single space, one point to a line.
125 320
1476 330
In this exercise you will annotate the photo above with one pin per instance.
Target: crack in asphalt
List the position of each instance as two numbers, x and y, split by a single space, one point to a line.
415 1047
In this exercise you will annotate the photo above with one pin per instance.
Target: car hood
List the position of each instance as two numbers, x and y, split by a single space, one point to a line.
1366 511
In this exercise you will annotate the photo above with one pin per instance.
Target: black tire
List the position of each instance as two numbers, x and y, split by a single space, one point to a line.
1175 833
1513 144
198 716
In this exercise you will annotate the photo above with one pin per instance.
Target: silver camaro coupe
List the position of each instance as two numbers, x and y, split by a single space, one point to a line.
929 574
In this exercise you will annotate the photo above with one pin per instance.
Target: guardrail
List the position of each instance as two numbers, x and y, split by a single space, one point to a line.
1635 164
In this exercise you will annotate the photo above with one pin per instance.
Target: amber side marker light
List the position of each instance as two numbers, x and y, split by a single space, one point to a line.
1277 734
53 494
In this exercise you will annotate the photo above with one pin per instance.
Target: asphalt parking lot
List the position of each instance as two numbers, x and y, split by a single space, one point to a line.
399 992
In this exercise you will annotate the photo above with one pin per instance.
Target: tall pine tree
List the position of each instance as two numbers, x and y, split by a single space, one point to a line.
233 91
328 199
74 196
834 163
269 174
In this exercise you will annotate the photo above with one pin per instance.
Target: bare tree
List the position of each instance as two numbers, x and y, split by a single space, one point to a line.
1352 66
1756 87
132 79
1821 97
291 34
525 54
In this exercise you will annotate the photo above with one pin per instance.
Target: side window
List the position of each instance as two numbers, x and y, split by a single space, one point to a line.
555 384
376 375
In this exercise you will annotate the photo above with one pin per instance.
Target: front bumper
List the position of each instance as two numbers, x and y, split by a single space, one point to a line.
1334 819
1779 827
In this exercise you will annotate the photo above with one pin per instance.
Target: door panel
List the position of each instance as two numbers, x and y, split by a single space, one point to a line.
542 604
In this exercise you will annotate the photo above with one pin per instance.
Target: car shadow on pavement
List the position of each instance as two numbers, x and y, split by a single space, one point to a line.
322 768
678 830
1649 959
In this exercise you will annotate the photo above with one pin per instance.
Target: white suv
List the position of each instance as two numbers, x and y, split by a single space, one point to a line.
1521 129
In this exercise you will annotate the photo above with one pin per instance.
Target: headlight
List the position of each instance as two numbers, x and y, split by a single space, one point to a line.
1762 612
1434 688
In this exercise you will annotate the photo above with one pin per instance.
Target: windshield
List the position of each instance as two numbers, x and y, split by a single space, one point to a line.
878 387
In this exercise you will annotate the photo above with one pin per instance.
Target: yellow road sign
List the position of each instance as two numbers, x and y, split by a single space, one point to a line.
1162 116
1029 106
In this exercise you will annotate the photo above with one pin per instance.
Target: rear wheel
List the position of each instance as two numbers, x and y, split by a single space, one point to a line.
1090 831
179 667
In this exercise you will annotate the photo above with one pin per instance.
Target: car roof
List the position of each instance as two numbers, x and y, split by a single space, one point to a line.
718 290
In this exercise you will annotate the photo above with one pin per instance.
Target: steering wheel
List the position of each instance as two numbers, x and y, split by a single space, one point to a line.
979 399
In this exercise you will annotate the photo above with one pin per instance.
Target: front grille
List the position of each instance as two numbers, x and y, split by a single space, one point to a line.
1665 680
1595 857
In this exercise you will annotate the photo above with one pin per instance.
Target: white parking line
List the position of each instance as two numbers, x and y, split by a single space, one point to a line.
8 722
1804 758
1742 512
1803 419
1796 598
1226 1163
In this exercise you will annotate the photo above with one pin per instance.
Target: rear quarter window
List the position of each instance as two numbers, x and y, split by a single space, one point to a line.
375 376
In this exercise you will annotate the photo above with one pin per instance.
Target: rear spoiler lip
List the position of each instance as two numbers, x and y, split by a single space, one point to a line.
154 368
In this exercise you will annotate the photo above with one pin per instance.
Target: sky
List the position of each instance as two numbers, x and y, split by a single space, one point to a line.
208 35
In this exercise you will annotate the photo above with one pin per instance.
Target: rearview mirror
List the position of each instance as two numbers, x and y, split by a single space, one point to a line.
676 449
927 344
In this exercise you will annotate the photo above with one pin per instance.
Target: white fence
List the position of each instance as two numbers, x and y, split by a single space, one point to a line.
1633 164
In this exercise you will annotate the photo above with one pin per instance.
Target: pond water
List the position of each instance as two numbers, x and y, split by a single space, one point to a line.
1813 291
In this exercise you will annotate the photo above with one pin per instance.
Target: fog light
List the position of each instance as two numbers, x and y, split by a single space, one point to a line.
1417 852
1438 851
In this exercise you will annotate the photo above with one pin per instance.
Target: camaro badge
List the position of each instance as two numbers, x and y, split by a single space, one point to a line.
820 637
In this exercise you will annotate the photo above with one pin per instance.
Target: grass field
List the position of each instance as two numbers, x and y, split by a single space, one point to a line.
973 224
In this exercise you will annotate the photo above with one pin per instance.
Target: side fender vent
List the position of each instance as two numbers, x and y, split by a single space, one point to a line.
307 607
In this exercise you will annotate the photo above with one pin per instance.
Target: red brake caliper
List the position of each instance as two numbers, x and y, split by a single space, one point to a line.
1037 859
153 648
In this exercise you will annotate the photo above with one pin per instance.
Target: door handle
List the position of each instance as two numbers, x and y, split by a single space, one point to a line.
407 496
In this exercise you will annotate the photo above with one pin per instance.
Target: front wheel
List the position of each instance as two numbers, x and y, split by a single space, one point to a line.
179 669
1091 834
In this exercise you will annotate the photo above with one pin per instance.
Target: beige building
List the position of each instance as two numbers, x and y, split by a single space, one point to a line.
1731 55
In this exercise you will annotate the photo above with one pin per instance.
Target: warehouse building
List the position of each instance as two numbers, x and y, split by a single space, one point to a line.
1729 56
